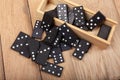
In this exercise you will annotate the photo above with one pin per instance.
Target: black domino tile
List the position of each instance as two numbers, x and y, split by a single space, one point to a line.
33 47
43 53
47 21
80 17
71 16
95 21
51 35
68 36
24 51
62 12
57 55
64 46
20 41
57 40
52 69
53 12
81 49
37 31
104 31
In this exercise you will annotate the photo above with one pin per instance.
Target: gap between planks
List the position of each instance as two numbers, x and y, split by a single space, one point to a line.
30 17
2 70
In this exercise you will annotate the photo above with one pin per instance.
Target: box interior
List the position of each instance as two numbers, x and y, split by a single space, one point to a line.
51 4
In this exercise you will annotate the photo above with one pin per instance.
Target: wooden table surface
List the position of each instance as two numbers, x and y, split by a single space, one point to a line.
97 64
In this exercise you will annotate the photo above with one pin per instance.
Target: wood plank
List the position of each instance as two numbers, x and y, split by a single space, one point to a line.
117 6
2 75
15 18
33 5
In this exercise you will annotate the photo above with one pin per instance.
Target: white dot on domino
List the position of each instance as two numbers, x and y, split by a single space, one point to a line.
98 18
91 20
75 8
81 8
55 61
67 30
91 27
48 37
81 13
18 38
53 72
21 44
32 52
87 43
79 45
26 44
51 65
64 5
33 55
83 52
22 52
75 54
63 33
13 47
22 37
61 60
54 56
78 49
33 58
95 24
70 37
91 24
45 50
60 68
55 66
49 70
60 55
48 48
65 45
53 51
40 51
81 27
87 24
17 45
43 68
58 74
80 57
43 22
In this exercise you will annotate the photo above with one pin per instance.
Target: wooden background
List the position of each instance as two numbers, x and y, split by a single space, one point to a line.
97 64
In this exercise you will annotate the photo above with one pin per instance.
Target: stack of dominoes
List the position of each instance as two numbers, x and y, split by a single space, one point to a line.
59 38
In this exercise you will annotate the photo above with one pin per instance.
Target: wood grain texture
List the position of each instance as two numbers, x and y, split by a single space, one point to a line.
2 75
33 5
15 18
97 64
102 64
117 6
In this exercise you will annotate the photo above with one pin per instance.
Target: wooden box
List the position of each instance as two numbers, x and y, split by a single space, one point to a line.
91 36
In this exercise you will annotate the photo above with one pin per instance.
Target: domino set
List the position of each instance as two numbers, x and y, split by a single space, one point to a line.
59 38
89 35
